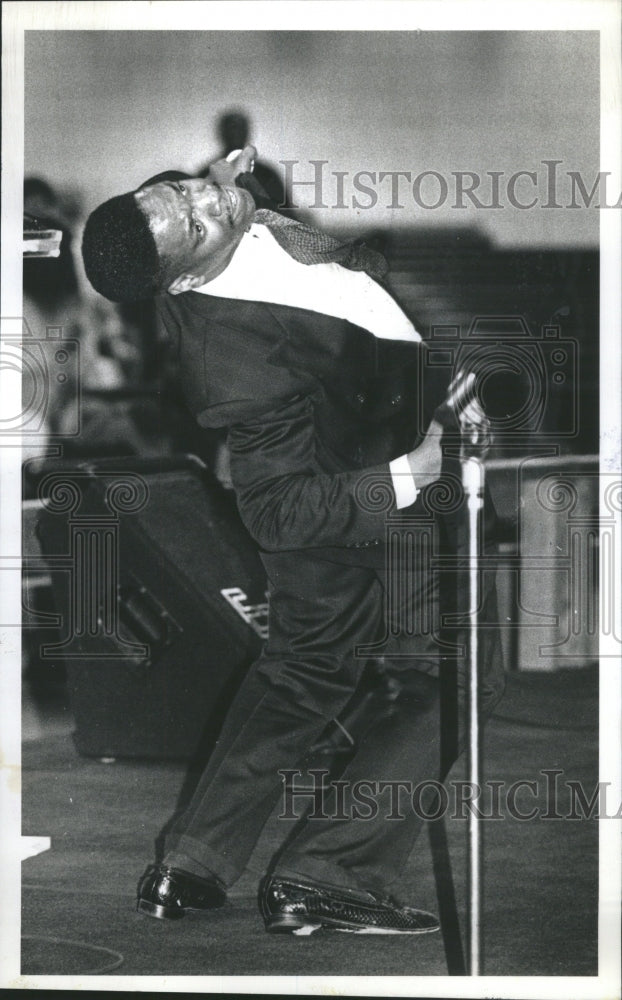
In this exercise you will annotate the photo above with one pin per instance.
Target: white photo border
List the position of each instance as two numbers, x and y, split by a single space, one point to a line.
300 15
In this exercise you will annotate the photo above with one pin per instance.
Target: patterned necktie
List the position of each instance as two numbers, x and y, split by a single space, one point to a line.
311 246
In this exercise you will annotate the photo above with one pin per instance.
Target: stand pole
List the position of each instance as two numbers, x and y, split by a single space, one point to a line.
473 482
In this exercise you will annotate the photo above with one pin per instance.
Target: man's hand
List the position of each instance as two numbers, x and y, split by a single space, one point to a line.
474 424
239 162
475 429
461 408
462 411
426 460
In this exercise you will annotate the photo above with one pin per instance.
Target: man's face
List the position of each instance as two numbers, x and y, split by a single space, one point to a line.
197 226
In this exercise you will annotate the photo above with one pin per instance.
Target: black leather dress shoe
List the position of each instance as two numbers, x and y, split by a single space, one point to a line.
299 908
169 893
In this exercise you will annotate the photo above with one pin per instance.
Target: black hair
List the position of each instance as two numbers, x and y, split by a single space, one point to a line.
119 251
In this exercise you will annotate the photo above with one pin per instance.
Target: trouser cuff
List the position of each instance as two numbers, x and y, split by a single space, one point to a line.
195 858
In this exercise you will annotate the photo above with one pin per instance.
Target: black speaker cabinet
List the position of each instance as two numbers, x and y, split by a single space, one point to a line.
161 597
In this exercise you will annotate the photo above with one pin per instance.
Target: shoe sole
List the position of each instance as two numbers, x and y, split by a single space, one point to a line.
286 923
385 930
159 912
168 913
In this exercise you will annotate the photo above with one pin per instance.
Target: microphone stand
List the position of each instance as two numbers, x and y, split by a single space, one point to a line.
474 445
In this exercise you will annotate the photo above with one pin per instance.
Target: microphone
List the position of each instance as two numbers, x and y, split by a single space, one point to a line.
476 432
459 395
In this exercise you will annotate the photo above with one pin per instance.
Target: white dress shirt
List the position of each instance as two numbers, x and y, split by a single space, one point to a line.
262 271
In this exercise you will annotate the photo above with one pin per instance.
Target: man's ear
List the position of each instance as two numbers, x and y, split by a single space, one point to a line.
185 283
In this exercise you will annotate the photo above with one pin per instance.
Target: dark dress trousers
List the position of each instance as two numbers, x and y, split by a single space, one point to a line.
315 408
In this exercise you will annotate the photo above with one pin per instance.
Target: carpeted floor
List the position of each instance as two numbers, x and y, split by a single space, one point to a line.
541 876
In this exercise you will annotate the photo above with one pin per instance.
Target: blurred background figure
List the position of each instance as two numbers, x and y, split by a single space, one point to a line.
55 295
113 387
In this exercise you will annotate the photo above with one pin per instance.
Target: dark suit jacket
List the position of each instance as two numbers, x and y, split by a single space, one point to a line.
315 408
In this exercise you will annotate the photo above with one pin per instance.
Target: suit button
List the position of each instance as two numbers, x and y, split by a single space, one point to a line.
361 397
396 400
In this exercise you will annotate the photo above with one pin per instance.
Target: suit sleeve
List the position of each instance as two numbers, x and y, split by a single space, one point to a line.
287 503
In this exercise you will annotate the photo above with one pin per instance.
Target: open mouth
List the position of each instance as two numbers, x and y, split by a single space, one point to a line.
231 203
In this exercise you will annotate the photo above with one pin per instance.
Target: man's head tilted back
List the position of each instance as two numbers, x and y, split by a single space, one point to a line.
170 235
120 255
